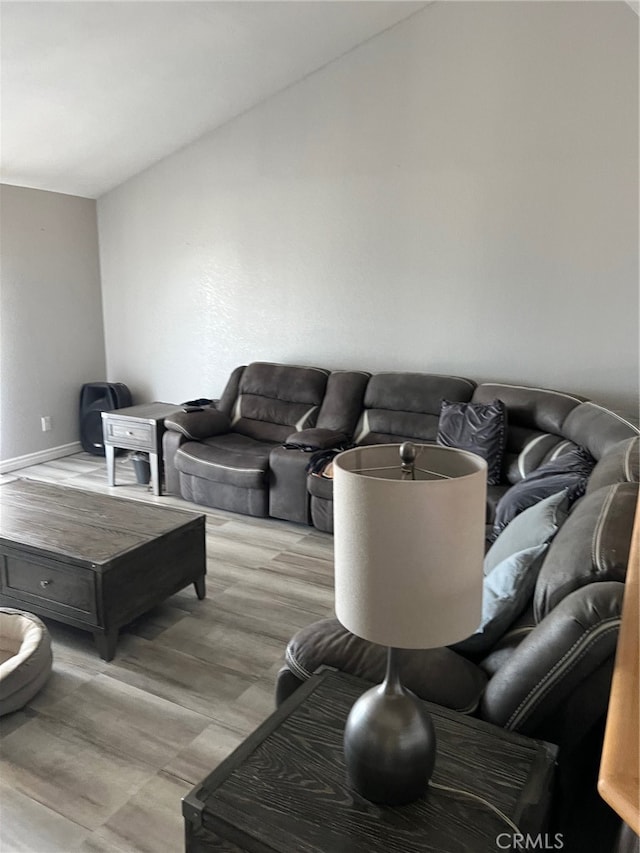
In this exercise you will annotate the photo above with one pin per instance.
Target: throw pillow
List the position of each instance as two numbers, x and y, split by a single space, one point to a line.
569 472
506 592
536 525
480 428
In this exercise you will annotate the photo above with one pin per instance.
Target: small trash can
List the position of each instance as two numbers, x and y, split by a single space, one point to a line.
142 467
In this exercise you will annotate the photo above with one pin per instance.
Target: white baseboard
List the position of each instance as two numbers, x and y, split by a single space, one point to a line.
40 456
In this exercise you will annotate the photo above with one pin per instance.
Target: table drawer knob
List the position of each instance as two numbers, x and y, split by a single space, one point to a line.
44 584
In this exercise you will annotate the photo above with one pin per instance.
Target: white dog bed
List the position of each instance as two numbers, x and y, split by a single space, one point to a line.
25 658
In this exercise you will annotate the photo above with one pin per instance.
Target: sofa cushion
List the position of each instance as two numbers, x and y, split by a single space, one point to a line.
569 472
592 545
232 459
480 428
274 399
552 660
620 464
400 406
536 525
415 392
506 591
437 675
528 449
342 402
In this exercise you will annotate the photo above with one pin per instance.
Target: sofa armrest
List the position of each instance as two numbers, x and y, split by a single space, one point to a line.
437 675
316 439
575 642
171 442
198 425
286 684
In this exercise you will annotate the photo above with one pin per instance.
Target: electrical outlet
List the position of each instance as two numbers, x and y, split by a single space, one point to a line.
46 423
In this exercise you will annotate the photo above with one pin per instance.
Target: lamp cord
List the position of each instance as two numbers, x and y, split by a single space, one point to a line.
493 808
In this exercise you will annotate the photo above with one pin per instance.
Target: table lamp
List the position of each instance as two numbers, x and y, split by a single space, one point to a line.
409 546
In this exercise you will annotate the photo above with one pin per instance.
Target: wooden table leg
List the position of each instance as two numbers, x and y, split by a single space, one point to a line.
106 642
200 587
154 461
110 454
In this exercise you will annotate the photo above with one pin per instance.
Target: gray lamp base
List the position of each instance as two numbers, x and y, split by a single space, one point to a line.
389 742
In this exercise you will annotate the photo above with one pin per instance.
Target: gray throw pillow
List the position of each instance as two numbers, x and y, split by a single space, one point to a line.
480 428
569 471
505 594
537 525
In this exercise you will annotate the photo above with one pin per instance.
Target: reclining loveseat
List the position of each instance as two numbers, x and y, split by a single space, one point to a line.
219 456
249 452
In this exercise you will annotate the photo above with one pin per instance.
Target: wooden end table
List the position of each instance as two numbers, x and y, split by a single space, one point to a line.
137 428
284 789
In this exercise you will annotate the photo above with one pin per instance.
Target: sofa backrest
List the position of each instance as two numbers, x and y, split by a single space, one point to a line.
620 464
401 406
591 546
566 640
550 677
596 428
535 418
343 400
270 401
230 393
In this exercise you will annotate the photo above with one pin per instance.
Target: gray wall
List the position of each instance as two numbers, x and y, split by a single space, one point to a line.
459 194
52 331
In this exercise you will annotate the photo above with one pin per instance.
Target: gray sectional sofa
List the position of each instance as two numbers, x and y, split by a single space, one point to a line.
250 450
548 674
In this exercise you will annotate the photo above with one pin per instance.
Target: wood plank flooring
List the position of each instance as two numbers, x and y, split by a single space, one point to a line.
98 761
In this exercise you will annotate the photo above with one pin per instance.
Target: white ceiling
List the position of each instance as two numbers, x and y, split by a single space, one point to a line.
94 92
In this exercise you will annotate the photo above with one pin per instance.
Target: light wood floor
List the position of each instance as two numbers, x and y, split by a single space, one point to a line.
100 758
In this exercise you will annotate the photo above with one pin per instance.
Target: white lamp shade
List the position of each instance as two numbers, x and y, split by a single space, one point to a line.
409 553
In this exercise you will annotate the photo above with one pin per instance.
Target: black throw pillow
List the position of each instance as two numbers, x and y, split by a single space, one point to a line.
569 473
480 428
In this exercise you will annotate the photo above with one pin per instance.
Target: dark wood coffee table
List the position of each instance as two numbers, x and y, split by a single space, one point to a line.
284 789
92 560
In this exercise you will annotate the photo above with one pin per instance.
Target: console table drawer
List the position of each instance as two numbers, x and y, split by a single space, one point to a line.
129 432
49 586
